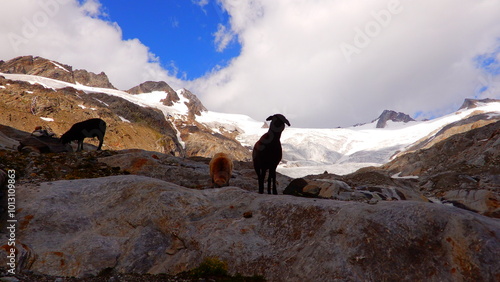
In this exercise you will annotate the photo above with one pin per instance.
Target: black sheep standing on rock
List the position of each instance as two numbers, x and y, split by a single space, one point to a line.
94 127
267 152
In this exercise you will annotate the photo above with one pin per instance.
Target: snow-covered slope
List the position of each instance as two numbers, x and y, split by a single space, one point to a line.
305 151
342 151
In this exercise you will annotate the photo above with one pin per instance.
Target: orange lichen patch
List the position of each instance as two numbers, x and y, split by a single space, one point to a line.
25 221
7 248
462 259
62 262
59 254
493 202
137 164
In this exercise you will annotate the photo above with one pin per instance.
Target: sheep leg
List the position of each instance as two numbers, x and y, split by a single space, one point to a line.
261 174
269 178
272 174
101 140
80 145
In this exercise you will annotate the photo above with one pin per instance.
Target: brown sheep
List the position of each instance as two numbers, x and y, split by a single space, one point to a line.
221 168
94 127
267 152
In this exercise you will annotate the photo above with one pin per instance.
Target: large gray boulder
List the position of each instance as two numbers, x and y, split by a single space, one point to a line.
144 225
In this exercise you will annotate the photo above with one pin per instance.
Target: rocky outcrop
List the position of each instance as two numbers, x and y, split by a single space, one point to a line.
171 99
38 66
150 86
201 141
195 107
465 164
139 224
43 67
183 172
91 79
363 186
42 145
472 151
475 120
194 104
187 172
473 103
7 143
388 115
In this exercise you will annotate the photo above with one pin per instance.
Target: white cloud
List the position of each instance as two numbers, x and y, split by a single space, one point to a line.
223 37
92 8
418 57
201 3
73 34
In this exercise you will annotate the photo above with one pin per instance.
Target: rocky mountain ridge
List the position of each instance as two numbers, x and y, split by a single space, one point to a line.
43 67
150 86
388 115
474 103
26 105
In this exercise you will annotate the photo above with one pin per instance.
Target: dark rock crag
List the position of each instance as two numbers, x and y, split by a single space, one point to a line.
389 115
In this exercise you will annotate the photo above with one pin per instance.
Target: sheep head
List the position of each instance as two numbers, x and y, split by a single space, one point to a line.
278 122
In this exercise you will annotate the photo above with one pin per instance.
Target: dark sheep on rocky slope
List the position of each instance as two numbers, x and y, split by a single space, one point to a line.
221 167
90 128
267 152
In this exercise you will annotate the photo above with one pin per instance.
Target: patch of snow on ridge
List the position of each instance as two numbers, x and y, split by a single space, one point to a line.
397 176
59 66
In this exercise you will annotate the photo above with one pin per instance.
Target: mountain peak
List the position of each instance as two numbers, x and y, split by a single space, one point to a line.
474 103
195 106
150 86
389 115
51 69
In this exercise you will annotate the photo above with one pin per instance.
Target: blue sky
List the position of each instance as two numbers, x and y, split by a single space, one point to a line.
321 63
179 32
489 62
